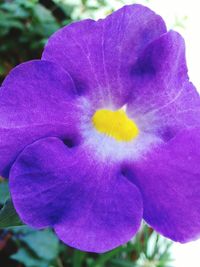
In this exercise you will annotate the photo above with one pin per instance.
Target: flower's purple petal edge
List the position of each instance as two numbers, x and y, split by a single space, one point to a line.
91 205
168 179
99 54
164 101
37 99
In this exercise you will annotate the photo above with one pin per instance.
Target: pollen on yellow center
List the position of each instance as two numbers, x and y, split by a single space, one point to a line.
115 124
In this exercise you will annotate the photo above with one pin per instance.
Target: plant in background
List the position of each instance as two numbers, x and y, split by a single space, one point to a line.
25 26
24 29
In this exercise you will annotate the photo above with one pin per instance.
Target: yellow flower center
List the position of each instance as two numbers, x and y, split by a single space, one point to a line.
115 124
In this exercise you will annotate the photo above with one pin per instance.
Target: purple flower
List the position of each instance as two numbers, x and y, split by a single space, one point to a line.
104 131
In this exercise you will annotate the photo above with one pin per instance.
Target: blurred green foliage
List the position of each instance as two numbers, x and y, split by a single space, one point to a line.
24 29
42 249
25 25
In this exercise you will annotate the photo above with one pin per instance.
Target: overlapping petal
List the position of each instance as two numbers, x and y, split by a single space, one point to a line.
169 180
99 55
89 203
164 102
37 99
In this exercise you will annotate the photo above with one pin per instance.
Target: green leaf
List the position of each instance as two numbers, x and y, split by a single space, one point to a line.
103 258
4 191
22 230
84 2
27 259
43 243
78 257
123 263
8 215
9 21
14 9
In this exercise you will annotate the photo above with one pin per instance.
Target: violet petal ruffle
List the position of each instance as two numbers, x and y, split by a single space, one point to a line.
164 102
89 203
37 99
99 54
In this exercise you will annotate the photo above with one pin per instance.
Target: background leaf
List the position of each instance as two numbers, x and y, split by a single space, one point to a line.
8 215
43 243
4 191
27 259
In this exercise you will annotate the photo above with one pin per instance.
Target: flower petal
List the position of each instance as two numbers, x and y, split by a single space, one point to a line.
36 100
164 102
169 180
99 55
89 203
